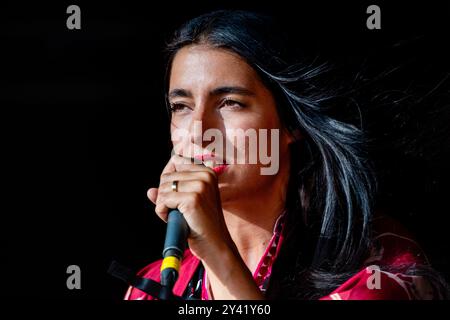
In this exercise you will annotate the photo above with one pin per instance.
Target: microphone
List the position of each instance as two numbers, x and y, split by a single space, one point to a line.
174 246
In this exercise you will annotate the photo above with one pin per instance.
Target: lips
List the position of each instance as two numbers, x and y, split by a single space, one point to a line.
211 161
220 169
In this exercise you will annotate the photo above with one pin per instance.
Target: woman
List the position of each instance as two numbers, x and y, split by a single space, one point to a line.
305 231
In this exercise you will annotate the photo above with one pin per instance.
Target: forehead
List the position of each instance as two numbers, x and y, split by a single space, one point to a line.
199 66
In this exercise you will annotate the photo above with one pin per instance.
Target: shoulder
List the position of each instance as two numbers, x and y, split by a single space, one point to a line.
395 245
386 274
373 283
152 271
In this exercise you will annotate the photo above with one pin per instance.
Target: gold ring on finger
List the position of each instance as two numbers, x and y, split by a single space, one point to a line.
175 185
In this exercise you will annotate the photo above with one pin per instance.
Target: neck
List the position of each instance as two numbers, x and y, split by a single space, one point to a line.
251 222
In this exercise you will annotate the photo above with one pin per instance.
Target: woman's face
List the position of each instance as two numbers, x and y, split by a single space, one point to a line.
214 88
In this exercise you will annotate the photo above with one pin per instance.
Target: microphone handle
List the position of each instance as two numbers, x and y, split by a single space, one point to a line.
174 246
176 234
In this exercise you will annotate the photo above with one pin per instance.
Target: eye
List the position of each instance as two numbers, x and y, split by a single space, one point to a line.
177 107
232 103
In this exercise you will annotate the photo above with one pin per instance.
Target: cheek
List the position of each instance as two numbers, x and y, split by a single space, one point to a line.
243 177
254 120
180 139
265 129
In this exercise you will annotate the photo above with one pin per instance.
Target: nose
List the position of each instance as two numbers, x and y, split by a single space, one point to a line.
203 118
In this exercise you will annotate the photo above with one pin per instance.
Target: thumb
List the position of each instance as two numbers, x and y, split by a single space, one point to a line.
152 194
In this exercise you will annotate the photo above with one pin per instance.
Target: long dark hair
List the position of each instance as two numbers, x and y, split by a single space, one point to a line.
331 189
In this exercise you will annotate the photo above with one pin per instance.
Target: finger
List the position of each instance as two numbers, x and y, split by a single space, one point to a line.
162 211
183 201
197 185
204 175
152 194
170 166
190 164
174 161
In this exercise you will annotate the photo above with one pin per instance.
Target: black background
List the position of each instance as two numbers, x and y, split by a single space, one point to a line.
85 131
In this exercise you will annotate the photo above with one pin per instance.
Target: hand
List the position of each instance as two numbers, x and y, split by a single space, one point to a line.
198 199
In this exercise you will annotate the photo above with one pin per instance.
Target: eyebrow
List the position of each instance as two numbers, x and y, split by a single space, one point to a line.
215 92
180 93
235 90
